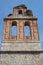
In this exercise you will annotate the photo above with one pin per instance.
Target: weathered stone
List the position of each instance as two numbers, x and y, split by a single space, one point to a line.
20 59
21 50
21 46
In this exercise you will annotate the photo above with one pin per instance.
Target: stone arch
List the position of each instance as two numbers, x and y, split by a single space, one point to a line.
27 23
27 32
14 23
14 28
20 13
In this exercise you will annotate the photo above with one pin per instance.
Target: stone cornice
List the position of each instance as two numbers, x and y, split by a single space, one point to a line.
20 18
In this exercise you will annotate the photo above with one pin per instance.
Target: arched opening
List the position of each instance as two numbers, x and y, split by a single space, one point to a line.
14 28
20 13
27 29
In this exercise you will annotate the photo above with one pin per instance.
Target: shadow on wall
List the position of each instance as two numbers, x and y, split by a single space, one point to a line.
41 45
0 45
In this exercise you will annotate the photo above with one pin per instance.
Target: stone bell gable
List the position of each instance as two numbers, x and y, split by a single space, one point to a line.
21 49
27 19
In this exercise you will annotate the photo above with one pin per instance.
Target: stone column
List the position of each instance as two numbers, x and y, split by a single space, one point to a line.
15 13
17 30
36 34
24 12
21 29
31 30
8 30
4 31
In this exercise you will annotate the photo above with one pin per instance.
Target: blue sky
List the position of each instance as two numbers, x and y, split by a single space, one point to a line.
6 7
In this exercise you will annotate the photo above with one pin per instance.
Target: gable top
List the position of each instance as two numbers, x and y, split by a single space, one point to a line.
26 13
21 6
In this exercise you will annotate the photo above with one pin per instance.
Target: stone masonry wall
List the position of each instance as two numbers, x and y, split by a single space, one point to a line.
20 59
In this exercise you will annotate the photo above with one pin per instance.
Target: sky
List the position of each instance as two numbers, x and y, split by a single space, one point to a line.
6 7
